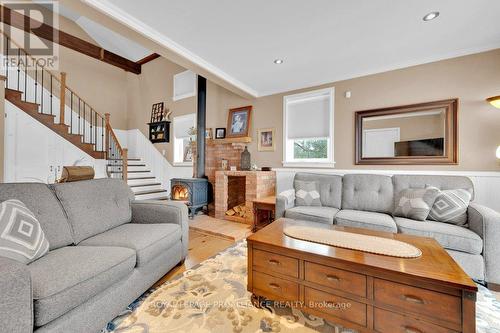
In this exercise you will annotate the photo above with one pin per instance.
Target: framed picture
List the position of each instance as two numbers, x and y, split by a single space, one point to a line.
238 122
220 133
157 112
266 139
209 133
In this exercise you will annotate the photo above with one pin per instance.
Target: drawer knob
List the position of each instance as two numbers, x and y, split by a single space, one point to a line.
274 286
413 299
274 262
332 278
409 329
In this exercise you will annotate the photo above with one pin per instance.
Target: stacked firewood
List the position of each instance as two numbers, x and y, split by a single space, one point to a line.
239 211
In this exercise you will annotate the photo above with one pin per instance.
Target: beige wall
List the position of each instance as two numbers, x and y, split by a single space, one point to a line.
470 78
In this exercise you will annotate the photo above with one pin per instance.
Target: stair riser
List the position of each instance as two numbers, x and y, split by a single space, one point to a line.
140 181
130 163
138 168
133 175
151 196
146 188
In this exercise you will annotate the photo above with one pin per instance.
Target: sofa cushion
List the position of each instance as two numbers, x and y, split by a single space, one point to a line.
451 207
450 236
312 213
472 264
402 182
330 188
307 193
42 202
69 276
372 193
367 220
94 206
415 203
147 240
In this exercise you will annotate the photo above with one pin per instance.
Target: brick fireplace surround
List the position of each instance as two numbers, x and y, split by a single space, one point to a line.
238 187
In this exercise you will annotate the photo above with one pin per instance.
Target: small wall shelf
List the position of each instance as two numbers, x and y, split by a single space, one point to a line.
159 131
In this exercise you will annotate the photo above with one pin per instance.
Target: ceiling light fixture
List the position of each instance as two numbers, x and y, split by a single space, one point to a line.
431 16
278 61
495 101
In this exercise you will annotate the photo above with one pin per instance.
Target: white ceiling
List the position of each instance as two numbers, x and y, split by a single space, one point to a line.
105 37
320 40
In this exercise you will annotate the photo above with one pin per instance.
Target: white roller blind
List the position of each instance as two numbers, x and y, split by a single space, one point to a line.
309 117
182 125
184 85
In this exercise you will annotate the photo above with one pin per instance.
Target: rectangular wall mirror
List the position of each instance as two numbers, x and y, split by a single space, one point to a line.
423 133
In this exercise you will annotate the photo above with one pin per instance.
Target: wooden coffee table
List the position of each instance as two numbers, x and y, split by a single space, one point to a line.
359 290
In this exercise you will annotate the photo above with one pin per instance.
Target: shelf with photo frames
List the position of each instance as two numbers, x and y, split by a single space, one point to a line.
159 131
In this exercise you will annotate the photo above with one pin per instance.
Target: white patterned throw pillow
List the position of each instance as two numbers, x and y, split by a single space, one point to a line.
451 207
415 203
307 194
21 236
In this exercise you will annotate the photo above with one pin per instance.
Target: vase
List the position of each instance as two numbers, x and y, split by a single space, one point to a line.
245 160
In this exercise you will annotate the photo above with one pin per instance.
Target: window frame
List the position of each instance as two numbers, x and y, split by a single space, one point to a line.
178 142
288 150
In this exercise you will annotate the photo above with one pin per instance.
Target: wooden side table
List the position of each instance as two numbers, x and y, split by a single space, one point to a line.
265 205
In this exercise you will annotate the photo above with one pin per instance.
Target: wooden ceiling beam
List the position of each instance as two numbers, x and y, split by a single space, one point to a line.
54 35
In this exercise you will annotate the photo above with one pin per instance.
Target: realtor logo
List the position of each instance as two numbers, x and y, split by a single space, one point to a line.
30 34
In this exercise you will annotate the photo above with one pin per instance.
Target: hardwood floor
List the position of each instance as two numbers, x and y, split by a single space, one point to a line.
201 247
225 229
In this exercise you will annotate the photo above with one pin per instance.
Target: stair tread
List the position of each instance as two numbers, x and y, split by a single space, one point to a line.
137 178
138 171
147 184
150 192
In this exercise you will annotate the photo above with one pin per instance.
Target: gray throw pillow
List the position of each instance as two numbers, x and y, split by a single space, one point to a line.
21 236
307 193
451 207
415 203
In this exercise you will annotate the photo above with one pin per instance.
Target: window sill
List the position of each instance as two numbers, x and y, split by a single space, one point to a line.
326 165
182 164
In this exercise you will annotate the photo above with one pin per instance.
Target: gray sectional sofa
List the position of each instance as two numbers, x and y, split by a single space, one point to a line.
367 201
105 251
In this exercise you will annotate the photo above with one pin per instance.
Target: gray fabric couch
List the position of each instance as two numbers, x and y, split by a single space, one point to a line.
368 200
105 251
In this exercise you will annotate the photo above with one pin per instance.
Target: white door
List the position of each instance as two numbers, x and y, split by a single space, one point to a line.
380 142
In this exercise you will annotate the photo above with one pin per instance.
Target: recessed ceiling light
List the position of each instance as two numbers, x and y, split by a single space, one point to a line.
278 61
431 16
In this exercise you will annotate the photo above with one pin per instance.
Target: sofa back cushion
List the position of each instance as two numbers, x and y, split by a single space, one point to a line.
94 206
402 182
373 193
42 202
329 187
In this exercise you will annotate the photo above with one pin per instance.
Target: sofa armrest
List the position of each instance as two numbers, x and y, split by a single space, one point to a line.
150 211
16 304
486 223
285 200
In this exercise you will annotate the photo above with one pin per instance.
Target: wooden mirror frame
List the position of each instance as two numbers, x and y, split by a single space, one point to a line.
451 135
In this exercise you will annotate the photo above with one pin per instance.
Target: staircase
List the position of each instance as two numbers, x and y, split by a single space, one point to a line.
45 96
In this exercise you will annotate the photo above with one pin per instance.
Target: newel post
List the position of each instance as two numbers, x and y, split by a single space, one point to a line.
106 129
62 98
124 163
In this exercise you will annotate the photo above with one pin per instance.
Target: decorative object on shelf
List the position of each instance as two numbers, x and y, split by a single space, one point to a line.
246 160
188 153
238 121
192 134
232 168
157 112
254 167
265 139
224 164
220 133
209 134
495 101
168 115
266 169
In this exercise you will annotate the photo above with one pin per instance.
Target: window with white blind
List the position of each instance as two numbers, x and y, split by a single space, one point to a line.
308 129
183 154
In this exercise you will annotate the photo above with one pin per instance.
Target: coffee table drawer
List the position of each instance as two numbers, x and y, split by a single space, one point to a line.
390 322
281 289
418 300
336 278
336 306
271 262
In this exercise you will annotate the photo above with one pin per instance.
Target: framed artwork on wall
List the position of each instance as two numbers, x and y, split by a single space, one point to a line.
265 139
220 133
238 122
209 133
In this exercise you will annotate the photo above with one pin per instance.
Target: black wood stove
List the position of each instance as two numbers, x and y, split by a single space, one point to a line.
192 191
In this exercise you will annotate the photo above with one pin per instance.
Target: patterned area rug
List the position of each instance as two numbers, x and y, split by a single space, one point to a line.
212 297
